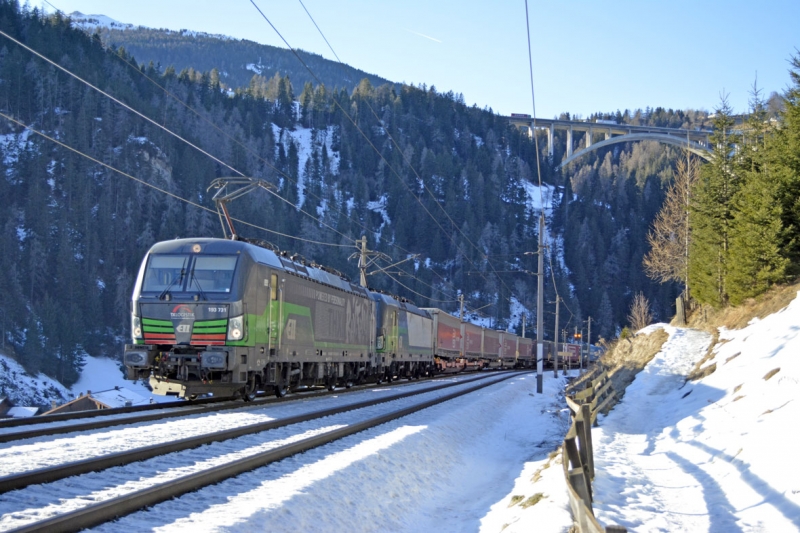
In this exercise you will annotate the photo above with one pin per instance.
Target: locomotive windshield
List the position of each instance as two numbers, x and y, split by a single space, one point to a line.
185 273
213 273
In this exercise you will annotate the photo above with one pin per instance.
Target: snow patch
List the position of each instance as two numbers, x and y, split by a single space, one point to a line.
11 146
379 206
25 390
103 374
303 138
90 23
539 197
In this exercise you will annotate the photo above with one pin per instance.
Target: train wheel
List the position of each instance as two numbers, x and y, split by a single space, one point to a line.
331 383
250 391
280 382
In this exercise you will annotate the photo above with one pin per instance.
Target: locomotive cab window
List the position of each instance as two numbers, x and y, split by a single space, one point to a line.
182 273
213 273
165 271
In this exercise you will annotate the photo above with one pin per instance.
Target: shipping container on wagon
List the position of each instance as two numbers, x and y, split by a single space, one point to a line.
473 340
526 357
571 354
492 347
448 339
508 344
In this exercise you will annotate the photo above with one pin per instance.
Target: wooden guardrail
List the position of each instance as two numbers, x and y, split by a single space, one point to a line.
598 394
577 454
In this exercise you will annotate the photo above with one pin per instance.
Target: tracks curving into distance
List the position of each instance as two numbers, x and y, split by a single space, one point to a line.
50 424
109 509
54 473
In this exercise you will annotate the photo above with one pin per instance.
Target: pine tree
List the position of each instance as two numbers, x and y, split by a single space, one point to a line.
756 261
783 154
712 210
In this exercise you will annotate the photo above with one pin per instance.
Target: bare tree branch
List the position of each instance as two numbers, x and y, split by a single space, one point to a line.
640 315
668 258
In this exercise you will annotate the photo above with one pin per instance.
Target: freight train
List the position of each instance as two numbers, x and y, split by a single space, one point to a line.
231 317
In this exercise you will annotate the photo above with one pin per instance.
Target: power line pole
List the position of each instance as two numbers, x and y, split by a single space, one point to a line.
524 316
540 311
555 341
362 261
576 339
461 299
589 341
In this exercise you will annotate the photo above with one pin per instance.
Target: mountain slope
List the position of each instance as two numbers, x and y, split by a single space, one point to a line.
237 60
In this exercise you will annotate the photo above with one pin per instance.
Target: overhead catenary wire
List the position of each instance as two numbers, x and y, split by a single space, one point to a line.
538 164
258 156
405 159
155 187
394 171
536 144
165 129
211 156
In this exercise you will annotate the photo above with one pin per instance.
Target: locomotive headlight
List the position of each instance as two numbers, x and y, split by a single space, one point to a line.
236 328
136 327
134 358
214 360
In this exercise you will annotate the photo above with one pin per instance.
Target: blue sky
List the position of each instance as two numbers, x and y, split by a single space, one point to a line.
587 56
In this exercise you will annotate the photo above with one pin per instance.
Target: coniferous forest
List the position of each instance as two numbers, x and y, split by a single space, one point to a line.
414 170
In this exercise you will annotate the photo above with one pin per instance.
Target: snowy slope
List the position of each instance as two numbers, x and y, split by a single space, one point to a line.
91 23
25 390
101 375
714 454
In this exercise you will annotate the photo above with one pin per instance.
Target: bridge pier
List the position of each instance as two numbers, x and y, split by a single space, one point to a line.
589 137
569 141
550 134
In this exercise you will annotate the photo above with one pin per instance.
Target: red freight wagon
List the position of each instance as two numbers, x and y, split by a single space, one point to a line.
447 342
526 358
491 347
473 340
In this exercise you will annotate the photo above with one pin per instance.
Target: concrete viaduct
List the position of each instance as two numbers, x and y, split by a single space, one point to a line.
696 141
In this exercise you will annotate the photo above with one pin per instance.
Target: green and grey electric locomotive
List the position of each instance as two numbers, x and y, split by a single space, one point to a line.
226 317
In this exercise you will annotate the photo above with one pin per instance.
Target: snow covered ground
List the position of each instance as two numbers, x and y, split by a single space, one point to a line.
453 467
102 374
715 454
709 455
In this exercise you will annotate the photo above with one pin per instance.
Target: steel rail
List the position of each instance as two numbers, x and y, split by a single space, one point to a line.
94 464
114 508
180 410
60 417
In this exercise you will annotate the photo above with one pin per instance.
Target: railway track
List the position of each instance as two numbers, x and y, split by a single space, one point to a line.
63 417
118 506
54 473
59 424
